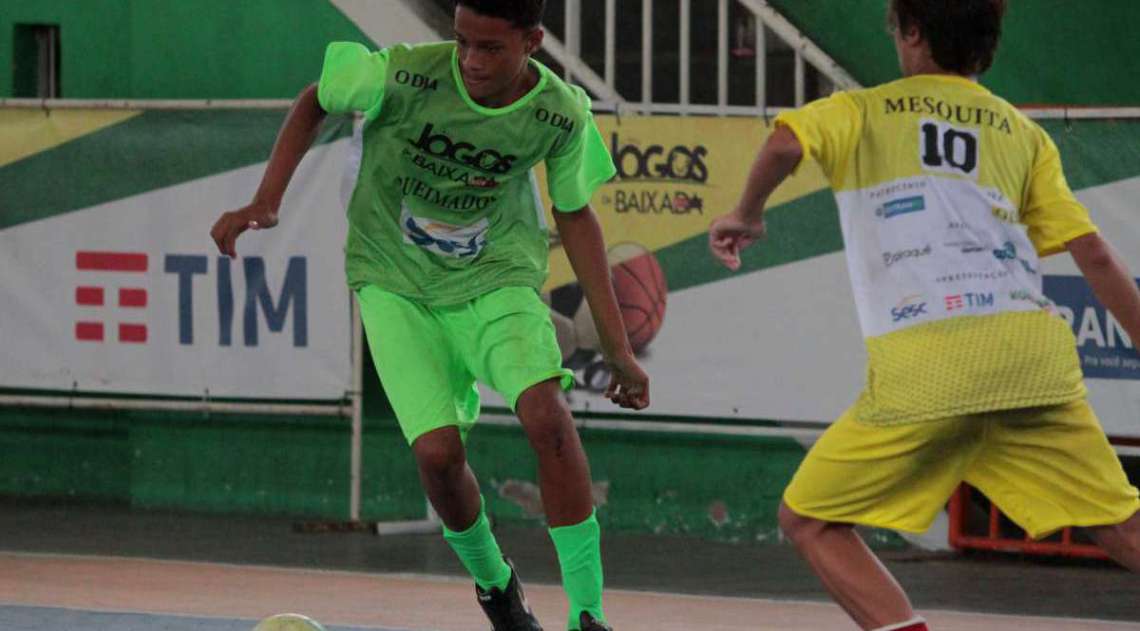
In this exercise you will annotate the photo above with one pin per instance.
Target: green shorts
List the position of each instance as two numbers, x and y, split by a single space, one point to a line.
429 358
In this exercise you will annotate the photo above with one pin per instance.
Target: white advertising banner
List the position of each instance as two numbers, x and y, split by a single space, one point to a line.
131 295
780 341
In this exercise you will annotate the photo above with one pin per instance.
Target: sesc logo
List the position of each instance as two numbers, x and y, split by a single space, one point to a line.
442 146
909 308
654 162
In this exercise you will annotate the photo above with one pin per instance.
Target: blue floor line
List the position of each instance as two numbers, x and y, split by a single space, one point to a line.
27 618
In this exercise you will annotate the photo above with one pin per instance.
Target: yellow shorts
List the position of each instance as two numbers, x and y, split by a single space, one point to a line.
1046 468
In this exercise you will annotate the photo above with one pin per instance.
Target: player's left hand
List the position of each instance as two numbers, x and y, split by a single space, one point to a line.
731 233
629 385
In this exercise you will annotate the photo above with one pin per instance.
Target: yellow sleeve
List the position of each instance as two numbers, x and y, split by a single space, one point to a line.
828 129
1052 214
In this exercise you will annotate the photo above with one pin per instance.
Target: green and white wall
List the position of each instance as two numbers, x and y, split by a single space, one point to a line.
69 164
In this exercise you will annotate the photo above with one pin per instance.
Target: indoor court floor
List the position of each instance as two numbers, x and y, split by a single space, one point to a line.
95 568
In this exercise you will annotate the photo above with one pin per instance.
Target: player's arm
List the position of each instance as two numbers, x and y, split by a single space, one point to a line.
1110 280
730 233
827 130
582 239
1056 221
296 136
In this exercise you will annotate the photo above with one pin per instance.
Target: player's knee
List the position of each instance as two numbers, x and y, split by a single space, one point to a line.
546 419
439 456
540 401
796 527
549 435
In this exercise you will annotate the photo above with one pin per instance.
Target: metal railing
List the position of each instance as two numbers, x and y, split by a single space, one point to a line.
567 51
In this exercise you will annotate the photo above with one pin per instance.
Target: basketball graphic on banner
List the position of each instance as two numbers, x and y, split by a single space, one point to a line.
641 290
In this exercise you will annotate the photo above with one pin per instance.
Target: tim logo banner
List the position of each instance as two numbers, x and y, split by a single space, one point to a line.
1105 349
129 268
100 316
131 265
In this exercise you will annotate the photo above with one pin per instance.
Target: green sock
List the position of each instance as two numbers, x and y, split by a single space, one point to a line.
580 555
479 552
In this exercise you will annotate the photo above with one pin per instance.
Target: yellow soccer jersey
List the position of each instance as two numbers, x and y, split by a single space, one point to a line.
947 198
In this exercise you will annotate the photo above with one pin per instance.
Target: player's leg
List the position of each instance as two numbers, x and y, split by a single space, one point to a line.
435 402
850 572
564 479
886 476
519 358
563 472
453 491
1121 541
1052 467
451 487
447 479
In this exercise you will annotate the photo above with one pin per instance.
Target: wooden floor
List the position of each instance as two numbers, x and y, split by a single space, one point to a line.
230 596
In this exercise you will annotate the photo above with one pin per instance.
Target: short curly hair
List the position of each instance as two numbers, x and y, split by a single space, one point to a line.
524 14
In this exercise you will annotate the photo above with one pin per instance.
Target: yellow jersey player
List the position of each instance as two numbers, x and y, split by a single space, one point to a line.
948 197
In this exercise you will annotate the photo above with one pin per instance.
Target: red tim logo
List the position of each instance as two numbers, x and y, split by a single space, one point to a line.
954 302
90 295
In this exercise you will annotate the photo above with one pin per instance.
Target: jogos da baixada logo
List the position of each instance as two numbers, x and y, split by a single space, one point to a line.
442 146
654 163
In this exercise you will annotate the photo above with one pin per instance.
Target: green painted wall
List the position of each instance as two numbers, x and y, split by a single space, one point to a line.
181 50
1052 51
90 30
724 488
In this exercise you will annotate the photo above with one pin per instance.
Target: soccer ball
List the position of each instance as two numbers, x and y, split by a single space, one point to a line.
288 622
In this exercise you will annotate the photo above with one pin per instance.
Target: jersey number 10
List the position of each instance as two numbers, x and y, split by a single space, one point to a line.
949 149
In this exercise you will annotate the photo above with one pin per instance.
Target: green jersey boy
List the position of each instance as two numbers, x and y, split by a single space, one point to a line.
446 251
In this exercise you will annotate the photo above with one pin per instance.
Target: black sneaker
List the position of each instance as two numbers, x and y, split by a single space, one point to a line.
507 609
586 622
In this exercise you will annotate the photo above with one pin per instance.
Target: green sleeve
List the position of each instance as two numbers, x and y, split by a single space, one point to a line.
580 165
352 79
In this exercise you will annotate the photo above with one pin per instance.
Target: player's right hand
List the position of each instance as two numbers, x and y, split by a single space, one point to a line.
629 385
730 234
256 216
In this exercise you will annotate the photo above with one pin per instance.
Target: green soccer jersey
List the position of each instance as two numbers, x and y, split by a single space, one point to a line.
446 205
